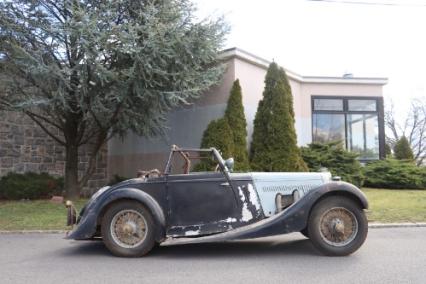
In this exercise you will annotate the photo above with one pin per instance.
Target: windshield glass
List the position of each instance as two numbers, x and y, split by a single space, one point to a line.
186 162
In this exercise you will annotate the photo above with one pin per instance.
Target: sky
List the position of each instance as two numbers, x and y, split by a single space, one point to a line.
330 38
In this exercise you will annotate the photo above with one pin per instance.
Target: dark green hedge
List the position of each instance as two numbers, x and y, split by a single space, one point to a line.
336 159
396 174
15 186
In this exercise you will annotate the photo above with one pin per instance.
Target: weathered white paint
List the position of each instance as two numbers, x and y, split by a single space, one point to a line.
229 220
254 199
268 185
192 233
245 213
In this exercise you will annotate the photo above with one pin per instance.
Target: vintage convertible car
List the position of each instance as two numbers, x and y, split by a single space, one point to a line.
182 207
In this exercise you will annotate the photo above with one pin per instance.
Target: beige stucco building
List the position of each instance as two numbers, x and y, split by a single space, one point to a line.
345 108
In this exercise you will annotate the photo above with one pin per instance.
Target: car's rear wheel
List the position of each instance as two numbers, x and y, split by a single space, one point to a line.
128 229
337 226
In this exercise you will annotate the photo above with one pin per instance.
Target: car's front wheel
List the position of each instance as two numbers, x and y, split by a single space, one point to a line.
337 226
128 229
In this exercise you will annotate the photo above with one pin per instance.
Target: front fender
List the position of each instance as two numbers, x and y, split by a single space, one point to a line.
295 218
340 188
86 228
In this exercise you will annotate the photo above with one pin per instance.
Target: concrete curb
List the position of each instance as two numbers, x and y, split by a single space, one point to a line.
395 225
33 232
370 225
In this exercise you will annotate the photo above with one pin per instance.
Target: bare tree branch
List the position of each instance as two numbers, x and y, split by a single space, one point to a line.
414 127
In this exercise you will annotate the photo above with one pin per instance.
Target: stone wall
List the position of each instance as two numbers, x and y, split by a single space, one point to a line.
25 147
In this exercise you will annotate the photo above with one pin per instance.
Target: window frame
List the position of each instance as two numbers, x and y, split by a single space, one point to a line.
379 112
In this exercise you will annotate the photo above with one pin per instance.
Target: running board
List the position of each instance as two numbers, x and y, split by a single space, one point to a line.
185 241
251 231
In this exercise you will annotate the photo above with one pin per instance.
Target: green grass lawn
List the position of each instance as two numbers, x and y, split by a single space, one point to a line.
385 206
34 215
390 206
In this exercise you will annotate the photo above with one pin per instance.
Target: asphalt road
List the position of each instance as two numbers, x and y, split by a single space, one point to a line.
388 256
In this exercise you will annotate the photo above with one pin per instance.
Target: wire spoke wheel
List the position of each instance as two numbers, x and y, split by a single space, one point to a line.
128 228
338 226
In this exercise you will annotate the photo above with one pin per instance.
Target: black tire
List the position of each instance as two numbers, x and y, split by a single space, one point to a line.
140 248
305 232
323 219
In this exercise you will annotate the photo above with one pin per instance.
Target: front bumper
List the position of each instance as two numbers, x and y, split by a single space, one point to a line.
83 227
84 224
71 213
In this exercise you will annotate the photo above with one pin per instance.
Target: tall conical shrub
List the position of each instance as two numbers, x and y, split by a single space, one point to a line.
274 145
234 114
402 149
218 134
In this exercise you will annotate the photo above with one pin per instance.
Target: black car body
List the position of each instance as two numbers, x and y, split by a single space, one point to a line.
218 206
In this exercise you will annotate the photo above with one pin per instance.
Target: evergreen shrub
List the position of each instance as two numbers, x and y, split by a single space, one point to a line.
14 186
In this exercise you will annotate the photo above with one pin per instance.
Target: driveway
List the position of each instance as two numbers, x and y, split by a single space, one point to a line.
395 255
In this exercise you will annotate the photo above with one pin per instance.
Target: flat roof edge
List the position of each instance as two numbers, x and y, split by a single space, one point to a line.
235 52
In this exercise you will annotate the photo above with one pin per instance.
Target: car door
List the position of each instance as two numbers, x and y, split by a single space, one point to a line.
200 204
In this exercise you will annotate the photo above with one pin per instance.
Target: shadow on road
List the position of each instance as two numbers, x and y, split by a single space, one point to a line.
236 249
85 248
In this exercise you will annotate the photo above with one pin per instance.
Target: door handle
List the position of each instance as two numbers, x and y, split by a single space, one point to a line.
224 184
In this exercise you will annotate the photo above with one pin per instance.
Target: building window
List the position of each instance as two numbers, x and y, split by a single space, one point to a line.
354 121
362 105
328 127
363 135
328 104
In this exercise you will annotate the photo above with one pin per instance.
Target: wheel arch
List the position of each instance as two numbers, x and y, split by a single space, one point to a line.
346 194
338 189
133 194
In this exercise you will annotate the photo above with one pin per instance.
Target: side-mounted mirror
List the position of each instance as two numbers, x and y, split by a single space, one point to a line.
229 163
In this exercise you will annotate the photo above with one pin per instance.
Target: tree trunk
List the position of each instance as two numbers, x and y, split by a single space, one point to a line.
72 189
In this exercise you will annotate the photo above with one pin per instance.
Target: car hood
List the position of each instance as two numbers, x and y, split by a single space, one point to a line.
290 177
268 185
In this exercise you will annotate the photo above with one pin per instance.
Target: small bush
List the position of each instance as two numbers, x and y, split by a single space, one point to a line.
15 186
336 159
395 174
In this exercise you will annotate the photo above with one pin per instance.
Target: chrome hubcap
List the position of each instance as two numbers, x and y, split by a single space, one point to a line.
128 228
338 226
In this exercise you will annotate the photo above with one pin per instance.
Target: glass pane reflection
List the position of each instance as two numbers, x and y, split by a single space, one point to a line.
362 105
363 135
328 127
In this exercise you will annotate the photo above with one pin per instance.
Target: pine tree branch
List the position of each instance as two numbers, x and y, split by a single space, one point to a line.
48 8
63 143
44 119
